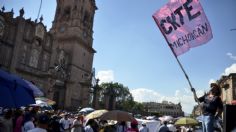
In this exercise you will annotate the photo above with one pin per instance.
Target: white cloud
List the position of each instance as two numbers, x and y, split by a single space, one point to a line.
231 69
105 76
231 56
185 97
145 95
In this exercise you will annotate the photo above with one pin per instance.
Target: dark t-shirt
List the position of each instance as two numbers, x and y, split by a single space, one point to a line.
210 106
163 128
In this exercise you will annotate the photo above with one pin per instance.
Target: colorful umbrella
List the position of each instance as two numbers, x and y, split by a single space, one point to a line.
45 100
36 90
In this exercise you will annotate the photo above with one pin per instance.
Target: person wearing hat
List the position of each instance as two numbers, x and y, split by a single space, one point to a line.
212 106
144 127
42 125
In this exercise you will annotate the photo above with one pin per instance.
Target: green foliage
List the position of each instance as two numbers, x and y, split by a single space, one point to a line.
118 93
155 114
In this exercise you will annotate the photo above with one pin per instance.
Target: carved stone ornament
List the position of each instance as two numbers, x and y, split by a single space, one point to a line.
2 26
40 31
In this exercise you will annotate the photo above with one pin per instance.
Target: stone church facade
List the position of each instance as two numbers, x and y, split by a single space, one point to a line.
60 60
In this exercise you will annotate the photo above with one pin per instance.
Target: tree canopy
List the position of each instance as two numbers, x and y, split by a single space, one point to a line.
119 95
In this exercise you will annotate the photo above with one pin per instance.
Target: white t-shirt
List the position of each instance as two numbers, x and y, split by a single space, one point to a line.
143 129
65 123
88 128
28 126
172 128
38 130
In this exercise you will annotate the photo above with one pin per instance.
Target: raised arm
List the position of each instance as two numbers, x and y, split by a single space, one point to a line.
194 95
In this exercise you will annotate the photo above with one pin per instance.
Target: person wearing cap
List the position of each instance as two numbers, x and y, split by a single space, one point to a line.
212 106
42 125
144 127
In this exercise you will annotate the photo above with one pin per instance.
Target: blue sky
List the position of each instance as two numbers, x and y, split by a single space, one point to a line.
131 50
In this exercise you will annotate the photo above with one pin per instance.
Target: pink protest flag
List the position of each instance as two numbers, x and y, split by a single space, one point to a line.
183 24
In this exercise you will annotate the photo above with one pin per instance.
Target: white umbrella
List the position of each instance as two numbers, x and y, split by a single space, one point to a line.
87 109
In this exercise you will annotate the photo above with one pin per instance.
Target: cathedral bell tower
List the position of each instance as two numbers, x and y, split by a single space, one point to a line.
72 32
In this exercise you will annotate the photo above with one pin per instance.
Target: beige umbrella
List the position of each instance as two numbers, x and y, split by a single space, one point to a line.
186 121
95 114
117 115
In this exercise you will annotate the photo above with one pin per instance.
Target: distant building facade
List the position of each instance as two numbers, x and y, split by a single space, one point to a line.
59 61
197 110
228 85
164 108
228 91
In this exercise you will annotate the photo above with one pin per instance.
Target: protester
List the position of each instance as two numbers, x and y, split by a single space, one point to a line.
95 126
121 127
6 123
212 106
42 124
77 125
54 125
171 126
88 127
163 127
144 128
183 129
189 129
19 118
28 122
134 127
106 126
65 123
102 124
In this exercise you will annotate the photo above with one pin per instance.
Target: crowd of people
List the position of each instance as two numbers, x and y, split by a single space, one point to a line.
32 119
